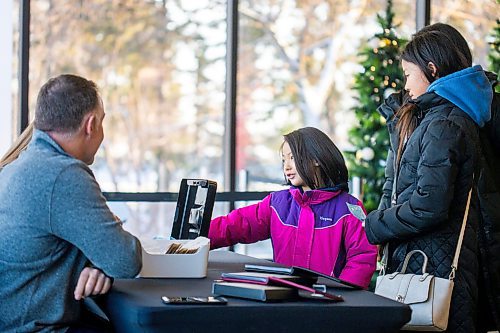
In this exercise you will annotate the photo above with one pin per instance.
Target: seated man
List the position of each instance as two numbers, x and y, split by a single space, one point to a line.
59 242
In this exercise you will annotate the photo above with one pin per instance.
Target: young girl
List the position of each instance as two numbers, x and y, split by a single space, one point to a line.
433 160
315 224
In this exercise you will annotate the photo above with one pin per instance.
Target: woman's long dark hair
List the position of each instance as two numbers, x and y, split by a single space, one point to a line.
317 159
453 34
426 47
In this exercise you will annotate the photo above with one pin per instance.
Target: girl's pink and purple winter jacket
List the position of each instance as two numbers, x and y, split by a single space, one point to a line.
313 229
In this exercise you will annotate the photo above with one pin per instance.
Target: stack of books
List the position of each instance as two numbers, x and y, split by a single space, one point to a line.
256 286
271 283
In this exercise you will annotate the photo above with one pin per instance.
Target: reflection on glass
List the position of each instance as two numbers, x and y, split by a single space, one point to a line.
196 213
194 208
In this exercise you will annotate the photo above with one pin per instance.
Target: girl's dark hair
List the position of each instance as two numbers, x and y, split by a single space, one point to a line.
425 47
317 159
63 102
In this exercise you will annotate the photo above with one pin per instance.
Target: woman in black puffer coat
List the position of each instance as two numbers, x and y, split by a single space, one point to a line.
435 153
488 189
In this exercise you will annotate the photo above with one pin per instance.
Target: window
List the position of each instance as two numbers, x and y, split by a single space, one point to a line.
9 38
474 19
160 66
151 219
296 66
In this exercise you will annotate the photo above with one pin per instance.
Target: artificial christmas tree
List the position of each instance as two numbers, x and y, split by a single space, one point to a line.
382 75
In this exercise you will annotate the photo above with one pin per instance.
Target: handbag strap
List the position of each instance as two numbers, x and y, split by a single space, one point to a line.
454 264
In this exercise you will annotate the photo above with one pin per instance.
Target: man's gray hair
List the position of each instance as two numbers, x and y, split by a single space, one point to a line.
63 102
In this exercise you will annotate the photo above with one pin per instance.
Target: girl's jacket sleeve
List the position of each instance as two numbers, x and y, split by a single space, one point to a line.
361 256
244 225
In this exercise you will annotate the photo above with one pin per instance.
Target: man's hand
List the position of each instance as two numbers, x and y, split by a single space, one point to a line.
91 282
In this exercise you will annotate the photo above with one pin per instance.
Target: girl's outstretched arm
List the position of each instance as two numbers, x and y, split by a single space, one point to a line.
245 225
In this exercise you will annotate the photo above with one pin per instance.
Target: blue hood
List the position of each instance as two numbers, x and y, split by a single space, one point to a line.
470 90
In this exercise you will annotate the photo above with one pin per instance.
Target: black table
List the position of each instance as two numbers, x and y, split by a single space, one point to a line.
134 305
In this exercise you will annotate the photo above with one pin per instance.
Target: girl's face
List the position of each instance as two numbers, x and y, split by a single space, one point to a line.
416 82
289 168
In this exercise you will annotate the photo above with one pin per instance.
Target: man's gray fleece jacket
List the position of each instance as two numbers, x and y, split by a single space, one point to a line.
54 221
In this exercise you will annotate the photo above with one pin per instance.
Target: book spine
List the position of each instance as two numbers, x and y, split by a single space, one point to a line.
227 289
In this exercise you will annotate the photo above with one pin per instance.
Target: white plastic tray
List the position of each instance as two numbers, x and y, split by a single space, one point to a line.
157 264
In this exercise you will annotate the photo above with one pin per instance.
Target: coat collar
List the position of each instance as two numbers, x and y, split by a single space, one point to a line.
312 197
42 139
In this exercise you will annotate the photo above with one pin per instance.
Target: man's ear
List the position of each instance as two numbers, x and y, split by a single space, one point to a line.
433 69
90 123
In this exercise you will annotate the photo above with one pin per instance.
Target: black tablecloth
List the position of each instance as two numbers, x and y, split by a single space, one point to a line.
135 305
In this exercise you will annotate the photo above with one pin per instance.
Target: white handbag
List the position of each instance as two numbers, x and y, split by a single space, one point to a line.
429 297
